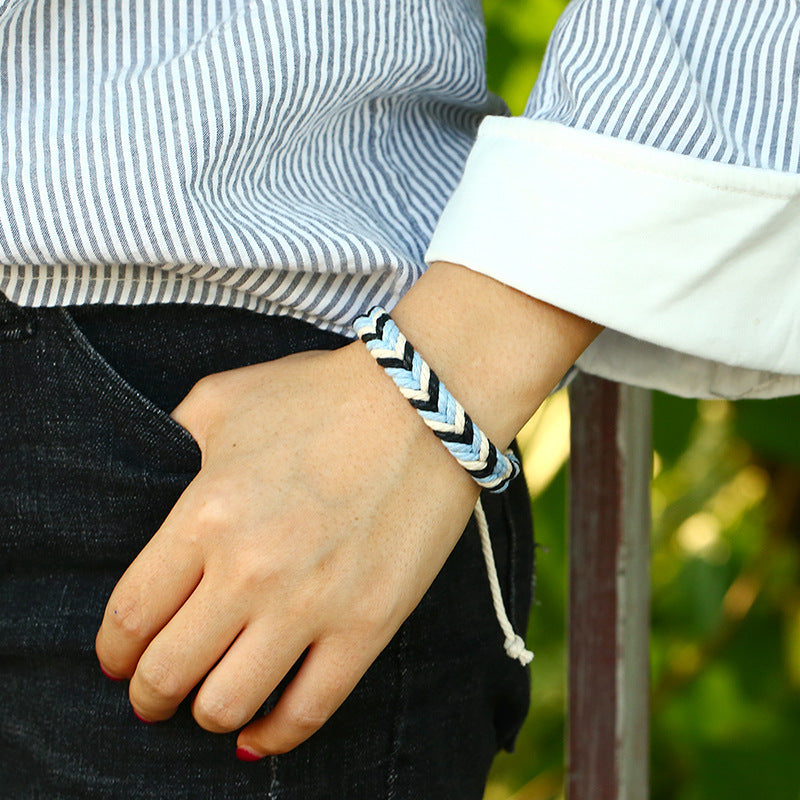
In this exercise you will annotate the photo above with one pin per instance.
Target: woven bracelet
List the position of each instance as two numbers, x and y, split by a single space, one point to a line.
442 413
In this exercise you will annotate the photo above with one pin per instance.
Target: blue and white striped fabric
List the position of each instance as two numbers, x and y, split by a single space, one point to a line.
294 157
713 79
290 156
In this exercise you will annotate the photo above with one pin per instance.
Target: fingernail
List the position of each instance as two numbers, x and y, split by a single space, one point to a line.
141 718
244 754
109 675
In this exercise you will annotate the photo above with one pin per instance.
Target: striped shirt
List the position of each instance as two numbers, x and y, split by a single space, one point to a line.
293 157
713 79
290 157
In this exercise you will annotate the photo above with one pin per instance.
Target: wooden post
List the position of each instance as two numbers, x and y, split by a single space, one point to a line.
609 600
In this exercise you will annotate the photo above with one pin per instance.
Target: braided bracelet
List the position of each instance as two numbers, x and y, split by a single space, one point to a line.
442 413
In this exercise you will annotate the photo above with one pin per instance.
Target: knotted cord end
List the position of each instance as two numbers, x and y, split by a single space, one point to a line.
515 648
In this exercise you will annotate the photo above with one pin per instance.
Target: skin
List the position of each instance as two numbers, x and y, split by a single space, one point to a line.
330 550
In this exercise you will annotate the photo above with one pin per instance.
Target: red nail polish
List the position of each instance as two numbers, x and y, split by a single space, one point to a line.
243 754
109 675
141 718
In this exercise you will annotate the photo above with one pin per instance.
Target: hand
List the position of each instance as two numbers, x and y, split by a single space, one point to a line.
322 512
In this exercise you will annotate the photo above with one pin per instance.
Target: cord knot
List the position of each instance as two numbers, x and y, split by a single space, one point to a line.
515 648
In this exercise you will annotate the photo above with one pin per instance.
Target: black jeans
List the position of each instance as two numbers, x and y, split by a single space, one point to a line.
89 468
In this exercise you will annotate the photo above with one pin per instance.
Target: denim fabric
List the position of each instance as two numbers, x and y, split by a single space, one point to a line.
90 467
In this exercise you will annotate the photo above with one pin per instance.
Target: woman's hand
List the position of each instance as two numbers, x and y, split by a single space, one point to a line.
323 510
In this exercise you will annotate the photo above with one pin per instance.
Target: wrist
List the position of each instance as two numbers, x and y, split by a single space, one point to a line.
499 352
489 466
378 406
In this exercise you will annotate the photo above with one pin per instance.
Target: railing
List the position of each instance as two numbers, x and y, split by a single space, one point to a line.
609 600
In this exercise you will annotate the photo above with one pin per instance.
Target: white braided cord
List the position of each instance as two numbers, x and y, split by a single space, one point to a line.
514 644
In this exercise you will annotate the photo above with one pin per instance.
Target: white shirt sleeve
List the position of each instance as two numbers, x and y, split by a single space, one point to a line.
652 186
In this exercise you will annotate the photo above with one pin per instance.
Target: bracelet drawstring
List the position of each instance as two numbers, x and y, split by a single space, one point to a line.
514 644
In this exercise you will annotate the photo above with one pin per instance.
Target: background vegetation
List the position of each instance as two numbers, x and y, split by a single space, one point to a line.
726 553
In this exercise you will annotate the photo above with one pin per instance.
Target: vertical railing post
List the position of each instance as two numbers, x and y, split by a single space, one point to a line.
609 578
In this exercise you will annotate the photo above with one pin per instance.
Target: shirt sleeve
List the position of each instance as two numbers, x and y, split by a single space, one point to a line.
652 186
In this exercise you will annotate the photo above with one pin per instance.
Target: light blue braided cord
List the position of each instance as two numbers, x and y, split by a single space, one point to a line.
448 406
471 455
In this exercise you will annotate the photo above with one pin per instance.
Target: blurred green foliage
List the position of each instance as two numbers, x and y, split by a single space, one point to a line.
725 644
516 37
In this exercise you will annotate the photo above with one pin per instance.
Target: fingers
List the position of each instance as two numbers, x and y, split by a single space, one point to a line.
328 675
152 589
183 652
240 684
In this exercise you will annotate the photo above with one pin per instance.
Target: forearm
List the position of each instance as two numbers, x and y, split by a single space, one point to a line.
499 352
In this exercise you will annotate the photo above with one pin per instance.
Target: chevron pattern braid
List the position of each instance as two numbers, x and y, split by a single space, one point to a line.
442 413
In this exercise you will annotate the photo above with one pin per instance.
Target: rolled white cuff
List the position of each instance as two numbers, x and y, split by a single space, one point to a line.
676 256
